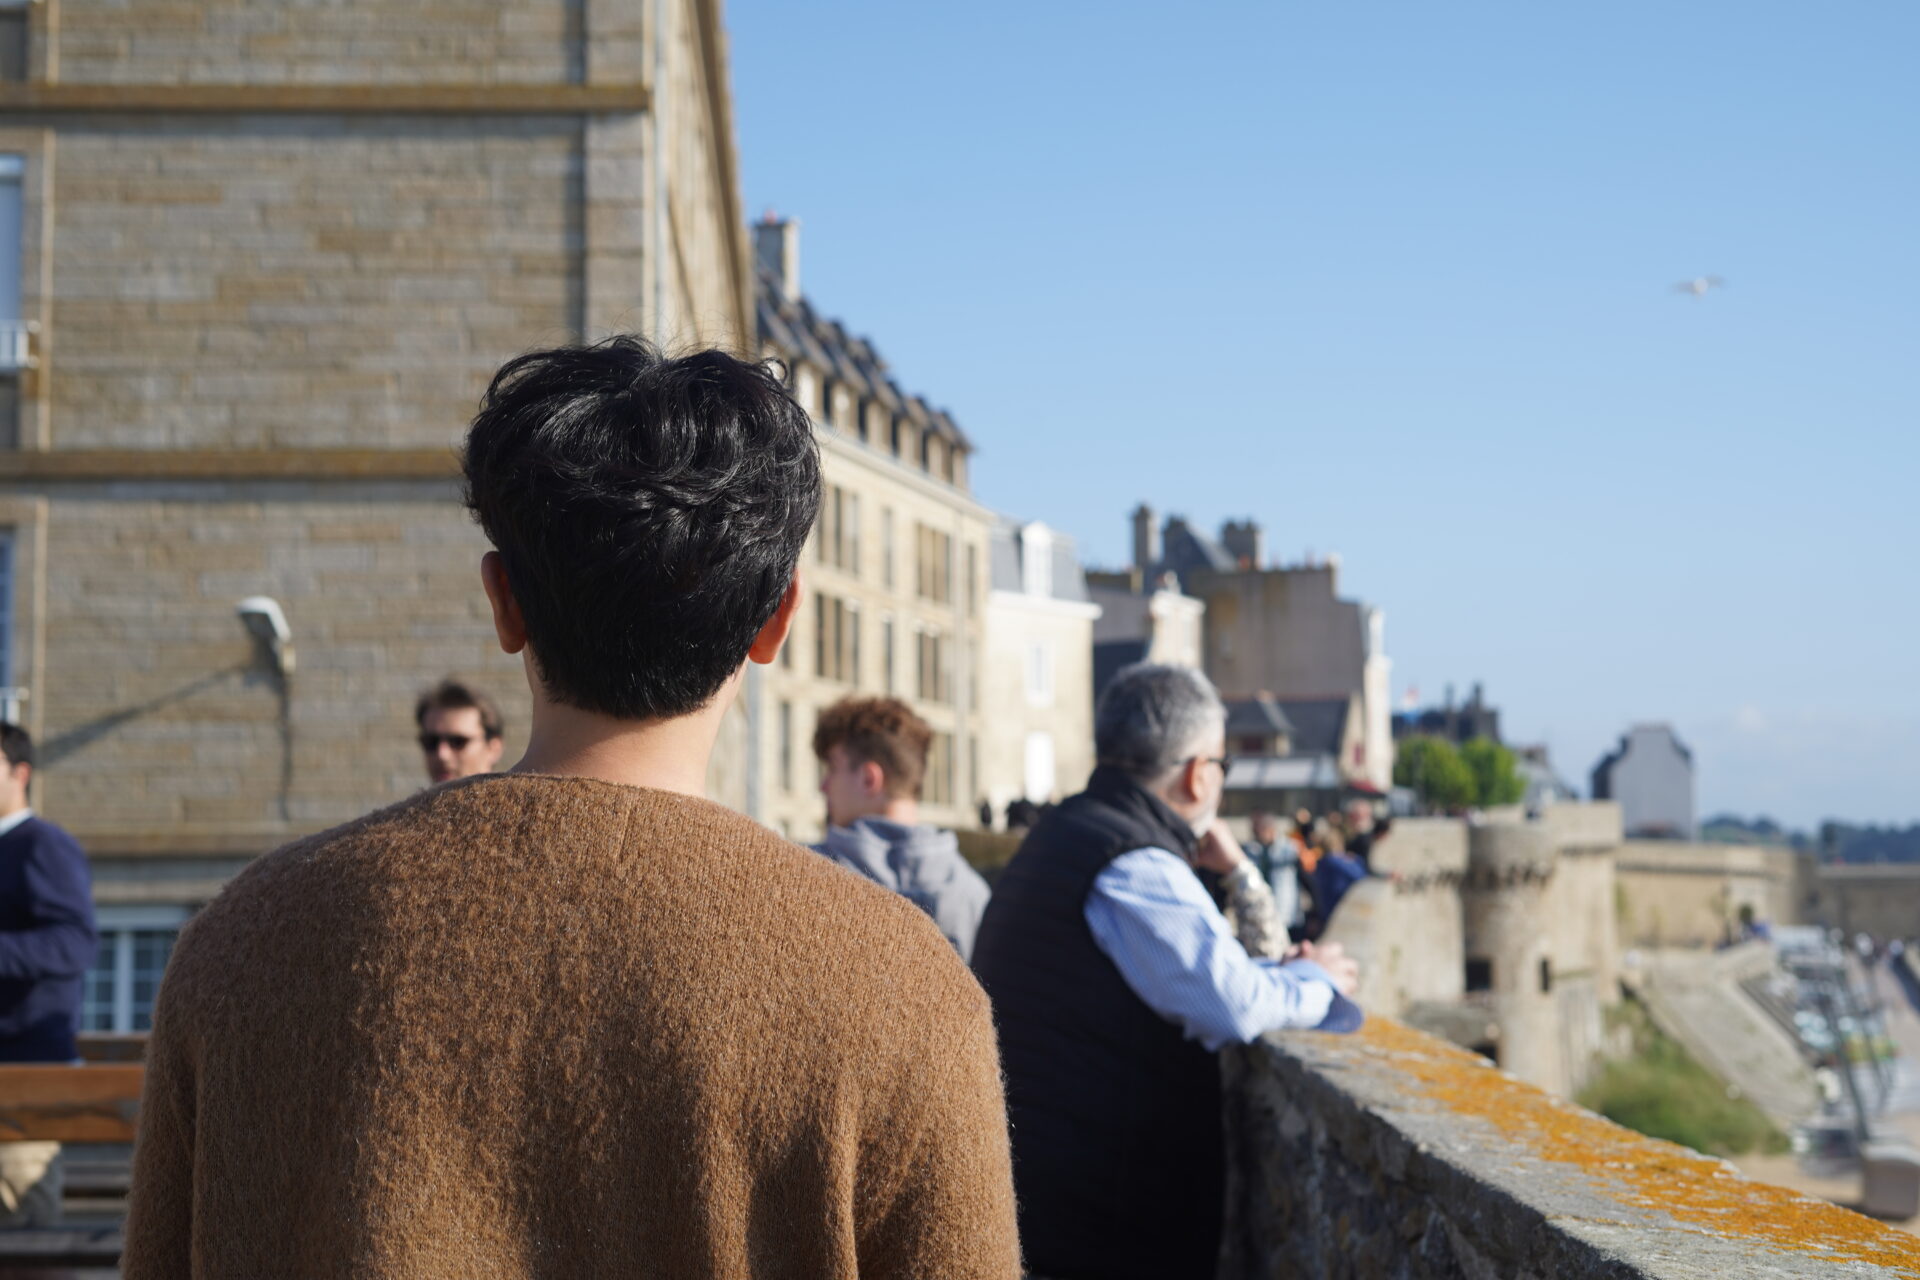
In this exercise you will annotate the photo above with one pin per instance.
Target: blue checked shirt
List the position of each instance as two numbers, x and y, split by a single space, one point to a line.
1152 917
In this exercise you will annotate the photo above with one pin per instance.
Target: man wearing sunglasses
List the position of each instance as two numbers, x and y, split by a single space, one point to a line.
460 730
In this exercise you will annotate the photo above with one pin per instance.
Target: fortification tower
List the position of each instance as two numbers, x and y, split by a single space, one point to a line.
1509 946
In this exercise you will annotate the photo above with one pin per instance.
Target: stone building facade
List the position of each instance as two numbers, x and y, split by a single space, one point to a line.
1279 630
1142 622
267 256
1651 774
896 576
1037 738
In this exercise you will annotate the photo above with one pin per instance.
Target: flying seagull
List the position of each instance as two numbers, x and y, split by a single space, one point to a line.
1698 286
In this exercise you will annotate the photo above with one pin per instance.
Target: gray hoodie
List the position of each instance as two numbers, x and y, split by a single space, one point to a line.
920 863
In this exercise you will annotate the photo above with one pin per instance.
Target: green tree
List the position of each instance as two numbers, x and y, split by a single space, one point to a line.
1496 779
1436 773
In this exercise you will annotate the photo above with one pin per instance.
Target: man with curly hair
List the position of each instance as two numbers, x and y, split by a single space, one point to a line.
873 758
575 1019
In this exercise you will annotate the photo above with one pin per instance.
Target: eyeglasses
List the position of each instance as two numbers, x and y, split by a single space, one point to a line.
430 742
1225 762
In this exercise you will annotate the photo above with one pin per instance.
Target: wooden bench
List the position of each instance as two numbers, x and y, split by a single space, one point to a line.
90 1103
94 1103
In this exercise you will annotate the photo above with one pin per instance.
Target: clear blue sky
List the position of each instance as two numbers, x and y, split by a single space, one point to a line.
1396 280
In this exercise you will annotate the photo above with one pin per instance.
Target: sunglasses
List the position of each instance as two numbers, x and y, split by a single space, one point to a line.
430 742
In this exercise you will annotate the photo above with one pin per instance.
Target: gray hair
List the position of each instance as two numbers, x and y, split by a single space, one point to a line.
1153 717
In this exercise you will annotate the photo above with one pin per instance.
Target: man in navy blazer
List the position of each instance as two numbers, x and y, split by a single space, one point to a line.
47 944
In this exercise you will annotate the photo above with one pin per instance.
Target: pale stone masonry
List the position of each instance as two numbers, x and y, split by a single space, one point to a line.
1037 742
271 252
896 575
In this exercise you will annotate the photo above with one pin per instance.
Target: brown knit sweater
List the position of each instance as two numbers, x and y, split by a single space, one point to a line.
535 1026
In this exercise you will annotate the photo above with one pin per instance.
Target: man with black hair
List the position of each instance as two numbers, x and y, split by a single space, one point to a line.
575 1019
47 944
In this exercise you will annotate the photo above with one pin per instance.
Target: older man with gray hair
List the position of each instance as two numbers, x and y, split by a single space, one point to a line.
1115 980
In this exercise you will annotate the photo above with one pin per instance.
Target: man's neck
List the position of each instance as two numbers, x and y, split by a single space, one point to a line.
904 812
13 817
668 755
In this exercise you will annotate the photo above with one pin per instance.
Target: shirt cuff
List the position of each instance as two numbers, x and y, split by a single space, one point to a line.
1318 996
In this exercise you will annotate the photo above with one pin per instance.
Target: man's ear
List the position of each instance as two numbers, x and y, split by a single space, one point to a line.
508 625
766 645
1189 780
873 779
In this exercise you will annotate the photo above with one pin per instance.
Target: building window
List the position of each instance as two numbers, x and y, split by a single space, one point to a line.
134 945
1039 674
852 624
837 535
893 437
1546 975
14 350
1036 560
939 788
836 641
1039 766
886 547
933 564
971 586
13 41
1479 974
850 536
973 766
887 679
822 610
786 746
932 682
806 389
9 694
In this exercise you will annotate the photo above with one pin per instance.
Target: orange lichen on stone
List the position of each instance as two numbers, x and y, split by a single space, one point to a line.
1641 1171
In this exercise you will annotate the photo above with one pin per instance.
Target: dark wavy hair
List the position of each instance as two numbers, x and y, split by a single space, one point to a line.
649 510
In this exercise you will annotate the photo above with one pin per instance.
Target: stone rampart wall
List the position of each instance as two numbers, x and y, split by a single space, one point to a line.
1393 1154
1881 900
1406 932
1676 894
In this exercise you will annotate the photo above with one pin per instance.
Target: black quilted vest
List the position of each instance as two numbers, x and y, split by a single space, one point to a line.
1117 1152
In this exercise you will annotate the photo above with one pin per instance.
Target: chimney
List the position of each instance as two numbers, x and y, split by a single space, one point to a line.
1244 542
776 244
1146 539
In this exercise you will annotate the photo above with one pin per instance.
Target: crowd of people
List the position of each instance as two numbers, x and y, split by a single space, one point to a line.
573 1018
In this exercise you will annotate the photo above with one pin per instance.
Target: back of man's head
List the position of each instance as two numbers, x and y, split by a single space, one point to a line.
16 744
878 731
649 512
1151 718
